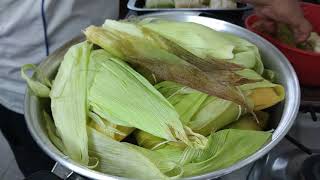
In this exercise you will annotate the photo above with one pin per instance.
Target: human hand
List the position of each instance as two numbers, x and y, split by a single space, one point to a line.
282 11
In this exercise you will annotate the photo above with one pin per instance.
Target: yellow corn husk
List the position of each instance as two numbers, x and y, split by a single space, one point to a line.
263 94
266 97
248 122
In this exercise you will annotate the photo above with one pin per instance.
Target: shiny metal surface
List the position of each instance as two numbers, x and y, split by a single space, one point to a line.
283 116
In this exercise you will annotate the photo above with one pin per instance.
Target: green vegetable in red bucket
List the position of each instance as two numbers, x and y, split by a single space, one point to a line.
284 34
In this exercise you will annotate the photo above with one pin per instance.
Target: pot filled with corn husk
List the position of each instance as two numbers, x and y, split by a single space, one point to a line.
161 97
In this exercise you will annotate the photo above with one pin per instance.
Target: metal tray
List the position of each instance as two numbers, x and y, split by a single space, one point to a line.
234 16
138 6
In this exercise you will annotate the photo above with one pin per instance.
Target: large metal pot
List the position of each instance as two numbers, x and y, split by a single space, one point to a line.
282 118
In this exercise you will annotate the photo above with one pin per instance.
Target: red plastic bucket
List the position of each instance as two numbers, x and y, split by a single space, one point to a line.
306 64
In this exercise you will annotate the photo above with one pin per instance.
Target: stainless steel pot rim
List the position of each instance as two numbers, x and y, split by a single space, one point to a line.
289 114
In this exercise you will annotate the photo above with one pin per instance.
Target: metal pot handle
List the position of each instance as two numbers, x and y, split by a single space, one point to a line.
58 172
61 171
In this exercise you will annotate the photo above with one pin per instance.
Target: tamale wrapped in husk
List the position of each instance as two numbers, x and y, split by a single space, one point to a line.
188 3
223 4
205 114
168 60
202 113
149 141
124 97
224 148
159 4
248 122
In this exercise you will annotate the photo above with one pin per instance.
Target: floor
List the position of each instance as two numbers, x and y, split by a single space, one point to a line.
8 166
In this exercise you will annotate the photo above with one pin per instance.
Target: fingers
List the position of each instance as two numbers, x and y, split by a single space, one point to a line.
265 25
302 30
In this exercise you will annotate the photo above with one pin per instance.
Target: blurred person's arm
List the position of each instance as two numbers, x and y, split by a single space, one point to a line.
283 11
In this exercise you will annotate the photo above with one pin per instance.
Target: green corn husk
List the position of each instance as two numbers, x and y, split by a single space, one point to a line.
120 159
214 114
149 141
123 97
52 132
138 45
205 2
117 132
202 113
248 122
208 43
112 130
39 88
205 114
223 4
159 4
69 102
188 3
224 148
269 75
97 100
166 159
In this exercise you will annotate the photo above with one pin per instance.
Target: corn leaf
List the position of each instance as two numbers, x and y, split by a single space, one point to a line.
159 4
51 130
166 159
123 97
69 102
38 88
248 122
263 94
112 130
203 114
138 50
188 3
208 43
224 148
120 159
